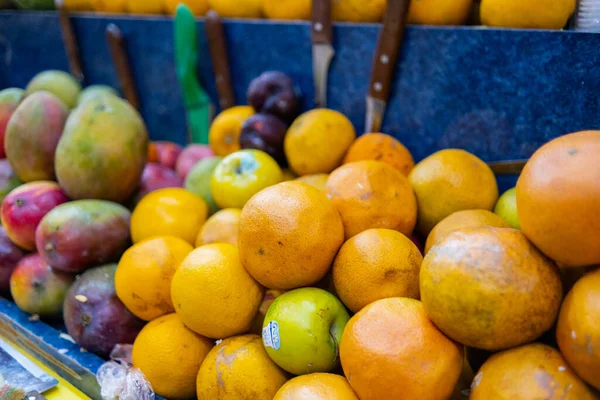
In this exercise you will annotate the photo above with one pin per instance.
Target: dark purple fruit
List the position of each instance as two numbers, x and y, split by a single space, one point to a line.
265 132
274 92
95 317
10 255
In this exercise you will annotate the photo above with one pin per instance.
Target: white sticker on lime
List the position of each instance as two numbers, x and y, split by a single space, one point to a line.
271 336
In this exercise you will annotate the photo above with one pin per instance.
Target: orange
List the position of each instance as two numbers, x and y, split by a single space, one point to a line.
78 5
449 181
239 369
439 12
318 180
558 196
358 10
169 355
288 9
578 332
376 264
535 371
539 14
289 235
111 6
391 350
145 6
371 194
463 219
144 273
152 153
319 386
317 141
213 294
198 7
381 147
222 227
237 8
226 128
490 288
168 212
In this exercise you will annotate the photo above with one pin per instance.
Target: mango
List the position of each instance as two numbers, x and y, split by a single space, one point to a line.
103 150
32 135
8 179
10 255
23 209
59 83
37 288
94 316
9 100
94 92
77 235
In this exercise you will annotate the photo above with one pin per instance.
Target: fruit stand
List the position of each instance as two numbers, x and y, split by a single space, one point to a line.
498 94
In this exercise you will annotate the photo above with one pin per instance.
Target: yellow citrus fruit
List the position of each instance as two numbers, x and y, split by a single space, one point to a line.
439 12
449 181
198 7
225 131
371 194
578 332
317 141
213 294
222 227
540 14
110 6
463 219
239 368
534 371
237 8
79 5
490 288
318 181
143 277
320 386
289 235
376 264
145 6
168 212
287 9
170 355
358 10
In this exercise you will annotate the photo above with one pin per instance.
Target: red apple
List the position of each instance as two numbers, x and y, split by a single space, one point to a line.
190 157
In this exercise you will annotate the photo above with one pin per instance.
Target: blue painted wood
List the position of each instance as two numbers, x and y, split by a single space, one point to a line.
497 93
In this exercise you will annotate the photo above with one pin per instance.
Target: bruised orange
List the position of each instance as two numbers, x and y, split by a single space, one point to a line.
144 273
578 332
221 227
463 219
490 288
289 235
371 194
391 350
381 147
320 386
170 355
534 371
376 264
558 196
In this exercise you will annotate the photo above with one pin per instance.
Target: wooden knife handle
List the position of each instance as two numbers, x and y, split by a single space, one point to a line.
218 53
322 27
70 41
388 47
116 45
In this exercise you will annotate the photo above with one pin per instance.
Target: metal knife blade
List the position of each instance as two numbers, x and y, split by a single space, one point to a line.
17 371
322 48
508 167
220 61
386 55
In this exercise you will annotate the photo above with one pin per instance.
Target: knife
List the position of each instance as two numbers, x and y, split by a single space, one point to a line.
386 55
220 61
322 48
18 372
70 41
508 167
197 102
116 44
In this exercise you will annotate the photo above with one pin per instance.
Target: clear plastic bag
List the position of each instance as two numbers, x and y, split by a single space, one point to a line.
119 380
